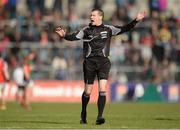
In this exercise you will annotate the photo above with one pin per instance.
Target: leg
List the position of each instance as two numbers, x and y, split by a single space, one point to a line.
85 100
18 94
101 101
25 98
2 100
89 76
103 73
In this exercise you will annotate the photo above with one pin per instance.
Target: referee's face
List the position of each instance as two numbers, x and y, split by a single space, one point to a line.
96 18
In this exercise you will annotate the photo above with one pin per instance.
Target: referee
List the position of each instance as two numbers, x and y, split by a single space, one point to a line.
96 46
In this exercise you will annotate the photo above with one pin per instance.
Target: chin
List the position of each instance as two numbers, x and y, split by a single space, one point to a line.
93 23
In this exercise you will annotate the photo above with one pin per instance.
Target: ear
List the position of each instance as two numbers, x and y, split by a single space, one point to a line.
101 18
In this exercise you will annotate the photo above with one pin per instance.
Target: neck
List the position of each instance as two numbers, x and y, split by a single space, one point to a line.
98 24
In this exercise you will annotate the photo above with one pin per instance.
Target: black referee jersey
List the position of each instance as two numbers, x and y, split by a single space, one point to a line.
96 39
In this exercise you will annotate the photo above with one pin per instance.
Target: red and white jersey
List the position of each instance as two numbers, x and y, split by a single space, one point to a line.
3 73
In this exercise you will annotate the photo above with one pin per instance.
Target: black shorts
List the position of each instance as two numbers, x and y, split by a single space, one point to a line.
21 87
96 66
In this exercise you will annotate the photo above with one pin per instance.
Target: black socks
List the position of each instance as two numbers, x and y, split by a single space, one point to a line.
101 103
85 99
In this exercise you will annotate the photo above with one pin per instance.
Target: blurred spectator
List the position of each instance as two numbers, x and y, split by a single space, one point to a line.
59 68
98 4
132 2
133 56
31 5
121 3
15 50
146 39
57 5
158 50
163 5
11 6
165 36
165 70
118 51
178 30
149 70
4 40
44 38
153 6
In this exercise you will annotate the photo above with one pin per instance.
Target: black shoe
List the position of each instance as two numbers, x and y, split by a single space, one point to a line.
83 118
100 121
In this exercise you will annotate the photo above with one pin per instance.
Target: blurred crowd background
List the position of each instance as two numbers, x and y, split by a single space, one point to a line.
151 49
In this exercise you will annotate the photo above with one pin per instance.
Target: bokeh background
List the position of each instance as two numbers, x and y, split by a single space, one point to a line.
145 61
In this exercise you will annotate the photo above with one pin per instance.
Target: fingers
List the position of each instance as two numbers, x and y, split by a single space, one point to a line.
141 15
60 31
58 28
144 13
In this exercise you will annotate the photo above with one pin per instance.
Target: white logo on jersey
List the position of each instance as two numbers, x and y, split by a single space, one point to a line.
91 36
103 34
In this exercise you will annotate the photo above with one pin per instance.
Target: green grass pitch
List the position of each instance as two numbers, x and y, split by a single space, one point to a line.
67 116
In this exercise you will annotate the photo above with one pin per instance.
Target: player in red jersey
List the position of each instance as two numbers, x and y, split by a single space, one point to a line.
4 78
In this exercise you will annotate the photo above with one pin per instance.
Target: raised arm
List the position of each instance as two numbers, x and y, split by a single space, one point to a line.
70 37
116 30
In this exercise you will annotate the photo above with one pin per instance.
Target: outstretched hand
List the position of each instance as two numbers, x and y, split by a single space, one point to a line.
60 31
140 16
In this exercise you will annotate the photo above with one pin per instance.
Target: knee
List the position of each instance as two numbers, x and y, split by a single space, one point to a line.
88 89
87 93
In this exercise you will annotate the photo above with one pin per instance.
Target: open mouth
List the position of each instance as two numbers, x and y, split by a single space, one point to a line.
92 20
